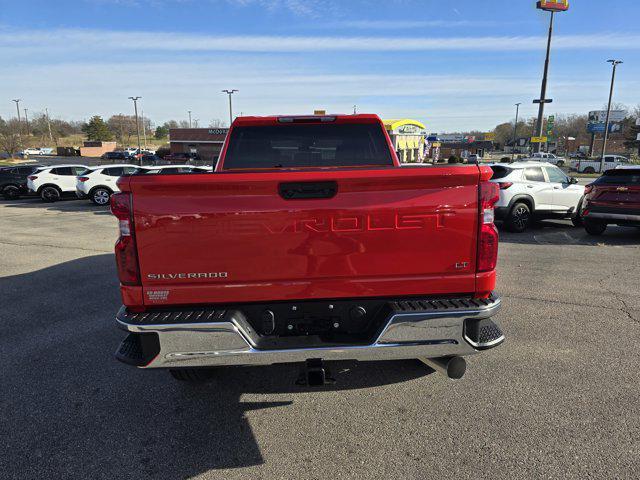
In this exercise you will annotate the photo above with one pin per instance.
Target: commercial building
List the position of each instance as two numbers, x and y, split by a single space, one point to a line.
96 149
408 138
204 142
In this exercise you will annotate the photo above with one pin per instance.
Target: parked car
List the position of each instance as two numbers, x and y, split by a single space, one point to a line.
533 189
31 151
613 199
344 270
99 183
116 156
150 160
549 158
52 183
182 158
131 151
593 166
13 180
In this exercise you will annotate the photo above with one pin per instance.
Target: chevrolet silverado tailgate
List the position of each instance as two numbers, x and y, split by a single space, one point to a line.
288 235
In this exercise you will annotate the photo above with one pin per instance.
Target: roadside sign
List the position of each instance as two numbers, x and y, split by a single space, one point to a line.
490 136
553 5
436 144
538 139
319 112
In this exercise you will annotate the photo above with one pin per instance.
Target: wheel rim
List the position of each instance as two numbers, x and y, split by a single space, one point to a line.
50 193
11 192
101 197
521 217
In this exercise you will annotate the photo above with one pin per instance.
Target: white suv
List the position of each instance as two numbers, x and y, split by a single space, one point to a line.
98 183
51 183
535 190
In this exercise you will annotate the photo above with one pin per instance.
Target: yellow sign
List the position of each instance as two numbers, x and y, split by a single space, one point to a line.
553 5
319 112
436 144
490 136
538 139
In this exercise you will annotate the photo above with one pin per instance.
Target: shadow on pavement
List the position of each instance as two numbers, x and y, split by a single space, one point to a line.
562 232
70 410
67 204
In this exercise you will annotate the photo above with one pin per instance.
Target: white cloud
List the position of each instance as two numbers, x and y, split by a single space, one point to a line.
73 39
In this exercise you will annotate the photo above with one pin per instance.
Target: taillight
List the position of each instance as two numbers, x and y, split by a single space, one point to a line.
489 194
126 255
32 177
505 185
83 179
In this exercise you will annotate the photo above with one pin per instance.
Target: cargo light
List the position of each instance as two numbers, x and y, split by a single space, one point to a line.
489 194
125 249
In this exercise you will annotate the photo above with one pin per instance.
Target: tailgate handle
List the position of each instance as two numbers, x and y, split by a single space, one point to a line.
307 190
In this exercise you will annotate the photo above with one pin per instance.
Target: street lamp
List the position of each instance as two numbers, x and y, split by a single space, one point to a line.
17 100
552 6
230 92
189 118
515 130
614 64
135 107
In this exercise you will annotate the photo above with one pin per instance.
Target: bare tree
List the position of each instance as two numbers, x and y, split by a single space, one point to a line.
217 123
10 139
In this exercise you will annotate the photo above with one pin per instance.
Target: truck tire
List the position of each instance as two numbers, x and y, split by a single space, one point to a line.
576 218
50 194
11 192
192 374
594 227
589 170
518 218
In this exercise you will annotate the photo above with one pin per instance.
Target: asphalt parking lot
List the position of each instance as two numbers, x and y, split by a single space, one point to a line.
558 400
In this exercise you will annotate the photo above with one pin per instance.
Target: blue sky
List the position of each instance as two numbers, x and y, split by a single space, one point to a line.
456 65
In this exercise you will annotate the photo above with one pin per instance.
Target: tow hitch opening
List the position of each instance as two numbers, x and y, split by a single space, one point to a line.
314 374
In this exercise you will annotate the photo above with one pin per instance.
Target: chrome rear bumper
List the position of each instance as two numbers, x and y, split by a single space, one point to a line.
206 338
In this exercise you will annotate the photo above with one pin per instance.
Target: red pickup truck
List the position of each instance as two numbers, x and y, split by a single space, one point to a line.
308 242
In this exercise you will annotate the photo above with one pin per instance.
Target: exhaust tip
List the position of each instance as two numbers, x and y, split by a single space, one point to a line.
453 367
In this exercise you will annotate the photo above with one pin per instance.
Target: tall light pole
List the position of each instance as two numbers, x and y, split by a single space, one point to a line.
230 92
17 100
144 129
614 64
552 6
515 131
26 121
135 108
46 110
189 118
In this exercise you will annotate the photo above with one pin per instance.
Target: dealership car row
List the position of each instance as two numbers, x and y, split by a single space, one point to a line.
528 190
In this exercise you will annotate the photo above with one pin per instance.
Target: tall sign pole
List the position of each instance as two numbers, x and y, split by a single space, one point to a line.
552 6
614 63
230 92
515 132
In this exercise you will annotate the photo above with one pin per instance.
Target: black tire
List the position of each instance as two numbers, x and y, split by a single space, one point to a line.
11 192
192 374
589 170
100 196
519 218
576 218
50 194
594 227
